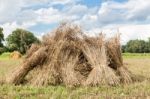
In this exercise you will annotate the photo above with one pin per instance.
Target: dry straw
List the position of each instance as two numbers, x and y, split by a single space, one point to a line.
15 55
67 56
114 50
36 59
101 73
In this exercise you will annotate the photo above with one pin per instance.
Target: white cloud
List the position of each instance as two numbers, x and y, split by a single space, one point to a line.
9 9
142 11
107 17
132 21
126 12
135 32
49 15
9 27
127 32
78 9
52 15
62 1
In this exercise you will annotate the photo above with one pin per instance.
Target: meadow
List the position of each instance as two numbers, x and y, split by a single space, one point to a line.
138 64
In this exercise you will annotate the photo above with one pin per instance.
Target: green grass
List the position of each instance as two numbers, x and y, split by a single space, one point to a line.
136 55
4 56
82 92
7 64
61 92
138 64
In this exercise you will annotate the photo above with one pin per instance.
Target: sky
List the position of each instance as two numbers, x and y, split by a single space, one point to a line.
130 17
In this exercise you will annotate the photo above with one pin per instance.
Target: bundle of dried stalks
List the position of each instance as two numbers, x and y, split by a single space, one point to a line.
48 39
33 48
69 57
50 71
114 52
36 59
116 60
101 73
125 75
68 73
15 55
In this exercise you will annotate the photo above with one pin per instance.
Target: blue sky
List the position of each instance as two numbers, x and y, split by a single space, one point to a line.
130 17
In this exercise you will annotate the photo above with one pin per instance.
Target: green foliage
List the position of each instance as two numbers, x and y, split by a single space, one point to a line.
137 46
123 48
20 40
149 44
1 37
2 49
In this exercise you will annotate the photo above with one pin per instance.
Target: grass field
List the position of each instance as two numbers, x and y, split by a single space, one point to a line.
139 64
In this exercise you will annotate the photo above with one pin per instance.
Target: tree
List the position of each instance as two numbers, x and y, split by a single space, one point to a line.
1 40
123 47
1 37
149 44
20 40
137 46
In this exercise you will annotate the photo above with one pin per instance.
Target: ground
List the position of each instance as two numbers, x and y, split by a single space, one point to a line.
138 64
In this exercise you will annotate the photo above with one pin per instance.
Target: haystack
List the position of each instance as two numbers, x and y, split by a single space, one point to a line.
67 56
15 55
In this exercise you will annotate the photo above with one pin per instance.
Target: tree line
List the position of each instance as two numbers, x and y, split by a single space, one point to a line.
19 40
137 46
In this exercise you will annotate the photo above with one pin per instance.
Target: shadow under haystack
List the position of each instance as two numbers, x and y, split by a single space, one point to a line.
67 56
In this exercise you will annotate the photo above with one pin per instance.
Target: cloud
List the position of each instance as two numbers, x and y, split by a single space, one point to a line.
53 15
124 12
62 1
9 27
109 12
77 9
134 32
131 20
127 32
9 9
140 12
48 15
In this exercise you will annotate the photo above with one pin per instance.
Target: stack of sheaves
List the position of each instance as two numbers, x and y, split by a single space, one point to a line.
67 56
